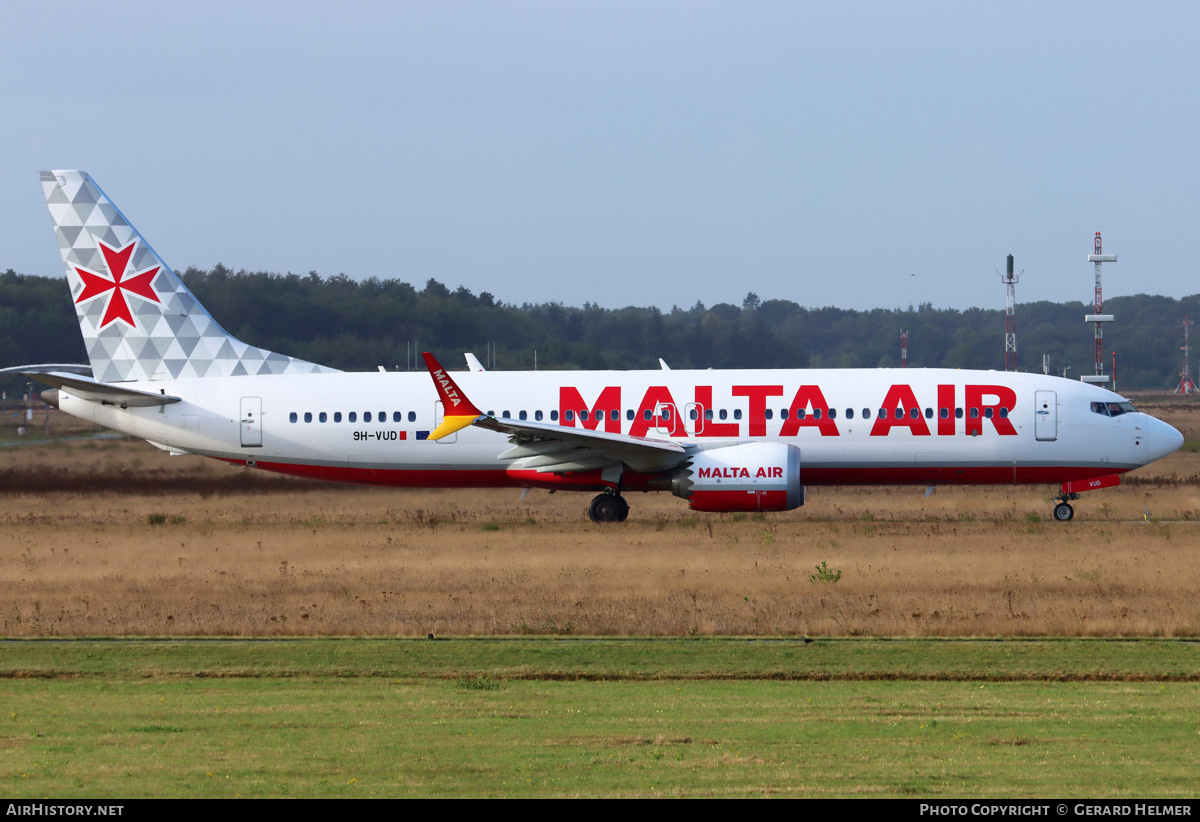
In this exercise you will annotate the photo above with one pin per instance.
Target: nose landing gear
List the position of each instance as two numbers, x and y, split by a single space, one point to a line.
1063 512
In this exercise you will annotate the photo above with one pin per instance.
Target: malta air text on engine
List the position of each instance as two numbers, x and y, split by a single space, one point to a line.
734 472
981 407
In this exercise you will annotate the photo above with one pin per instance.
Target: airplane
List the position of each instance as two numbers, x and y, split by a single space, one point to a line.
724 440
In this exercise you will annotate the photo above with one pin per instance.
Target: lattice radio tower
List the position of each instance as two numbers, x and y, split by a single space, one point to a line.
904 348
1097 318
1010 317
1186 386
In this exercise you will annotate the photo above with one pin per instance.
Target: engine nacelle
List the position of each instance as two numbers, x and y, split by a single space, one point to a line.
758 476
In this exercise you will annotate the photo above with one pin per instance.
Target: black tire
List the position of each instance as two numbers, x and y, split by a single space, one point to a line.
1063 512
605 508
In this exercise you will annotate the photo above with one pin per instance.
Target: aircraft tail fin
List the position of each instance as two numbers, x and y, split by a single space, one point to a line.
138 319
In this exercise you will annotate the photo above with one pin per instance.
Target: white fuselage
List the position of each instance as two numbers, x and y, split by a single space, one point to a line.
873 426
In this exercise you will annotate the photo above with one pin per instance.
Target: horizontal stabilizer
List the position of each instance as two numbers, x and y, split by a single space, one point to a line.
100 392
74 368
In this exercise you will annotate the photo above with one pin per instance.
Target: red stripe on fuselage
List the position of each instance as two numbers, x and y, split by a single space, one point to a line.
499 478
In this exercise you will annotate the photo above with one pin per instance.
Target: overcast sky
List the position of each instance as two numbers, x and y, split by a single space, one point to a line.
648 153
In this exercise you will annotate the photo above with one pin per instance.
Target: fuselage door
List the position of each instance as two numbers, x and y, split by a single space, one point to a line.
1045 415
251 422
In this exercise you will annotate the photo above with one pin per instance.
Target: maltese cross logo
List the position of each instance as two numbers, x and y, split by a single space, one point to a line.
95 285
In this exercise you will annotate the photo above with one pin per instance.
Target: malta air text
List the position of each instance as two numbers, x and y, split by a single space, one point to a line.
958 410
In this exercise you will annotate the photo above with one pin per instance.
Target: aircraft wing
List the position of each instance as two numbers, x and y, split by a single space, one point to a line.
104 393
556 448
551 448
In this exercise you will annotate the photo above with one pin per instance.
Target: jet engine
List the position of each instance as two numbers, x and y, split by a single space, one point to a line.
759 476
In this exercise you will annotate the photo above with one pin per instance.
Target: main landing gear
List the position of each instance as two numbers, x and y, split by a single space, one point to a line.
608 507
1063 512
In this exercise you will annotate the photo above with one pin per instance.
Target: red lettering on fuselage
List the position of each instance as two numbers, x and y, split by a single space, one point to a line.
758 404
945 424
1005 398
900 409
808 409
811 402
658 410
608 406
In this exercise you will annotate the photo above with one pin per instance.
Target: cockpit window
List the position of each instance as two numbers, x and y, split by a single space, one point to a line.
1113 409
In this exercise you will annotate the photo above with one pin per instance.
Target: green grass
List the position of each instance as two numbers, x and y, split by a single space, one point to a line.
544 717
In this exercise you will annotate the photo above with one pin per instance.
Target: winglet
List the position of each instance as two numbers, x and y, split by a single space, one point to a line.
460 411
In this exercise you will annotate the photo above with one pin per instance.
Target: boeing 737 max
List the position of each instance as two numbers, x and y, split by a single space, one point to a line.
742 440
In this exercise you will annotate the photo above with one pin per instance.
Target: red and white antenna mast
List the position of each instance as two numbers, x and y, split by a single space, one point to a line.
1010 317
1186 386
904 348
1097 318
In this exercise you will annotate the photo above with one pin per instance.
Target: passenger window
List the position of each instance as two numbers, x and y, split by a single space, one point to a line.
770 414
366 416
292 417
849 413
308 416
569 416
958 415
554 416
816 413
629 415
832 414
537 415
914 413
866 413
943 413
412 416
522 415
987 412
352 416
1003 413
737 413
928 413
323 417
974 413
801 413
397 416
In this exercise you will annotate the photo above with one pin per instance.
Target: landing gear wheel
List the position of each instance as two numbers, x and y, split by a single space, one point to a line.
1063 512
608 508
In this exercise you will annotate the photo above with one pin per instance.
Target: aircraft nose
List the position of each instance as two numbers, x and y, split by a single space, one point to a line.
1164 439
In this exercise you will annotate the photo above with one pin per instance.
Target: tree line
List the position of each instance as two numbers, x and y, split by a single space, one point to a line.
355 325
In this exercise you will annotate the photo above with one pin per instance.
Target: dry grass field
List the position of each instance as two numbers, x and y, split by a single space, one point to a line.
116 538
